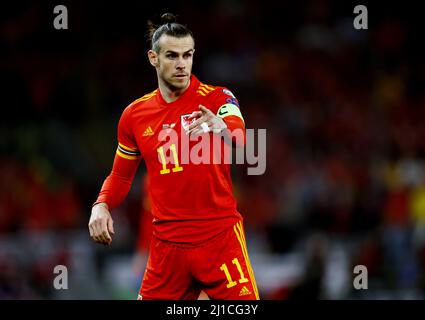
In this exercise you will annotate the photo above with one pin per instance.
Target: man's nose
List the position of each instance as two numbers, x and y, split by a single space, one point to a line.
181 64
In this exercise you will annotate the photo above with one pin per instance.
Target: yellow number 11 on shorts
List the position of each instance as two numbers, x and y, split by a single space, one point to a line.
232 283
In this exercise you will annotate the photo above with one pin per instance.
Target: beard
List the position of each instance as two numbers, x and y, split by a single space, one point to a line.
175 84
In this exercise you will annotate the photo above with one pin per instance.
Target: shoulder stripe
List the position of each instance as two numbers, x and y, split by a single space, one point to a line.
204 89
207 86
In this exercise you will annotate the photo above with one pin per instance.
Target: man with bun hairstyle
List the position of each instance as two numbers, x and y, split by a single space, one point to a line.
198 241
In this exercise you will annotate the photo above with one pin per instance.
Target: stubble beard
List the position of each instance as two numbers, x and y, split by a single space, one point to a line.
175 85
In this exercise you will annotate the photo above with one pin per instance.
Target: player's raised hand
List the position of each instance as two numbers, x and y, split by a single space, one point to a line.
101 225
206 121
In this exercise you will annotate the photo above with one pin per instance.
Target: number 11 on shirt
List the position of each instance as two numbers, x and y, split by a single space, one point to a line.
177 167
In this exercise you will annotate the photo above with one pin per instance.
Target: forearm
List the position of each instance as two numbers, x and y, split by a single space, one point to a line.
235 131
114 190
117 185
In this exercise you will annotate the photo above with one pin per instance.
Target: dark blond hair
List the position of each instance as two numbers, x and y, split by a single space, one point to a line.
168 26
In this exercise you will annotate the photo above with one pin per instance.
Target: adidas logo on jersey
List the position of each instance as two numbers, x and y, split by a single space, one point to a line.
244 291
148 132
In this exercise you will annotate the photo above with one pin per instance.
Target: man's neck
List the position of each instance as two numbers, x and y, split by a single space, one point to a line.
169 94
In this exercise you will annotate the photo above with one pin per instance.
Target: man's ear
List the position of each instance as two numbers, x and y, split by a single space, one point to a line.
153 58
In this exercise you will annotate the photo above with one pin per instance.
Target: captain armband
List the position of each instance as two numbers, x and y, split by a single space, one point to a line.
229 110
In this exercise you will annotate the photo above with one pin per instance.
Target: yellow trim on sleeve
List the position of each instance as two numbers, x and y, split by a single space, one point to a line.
125 156
127 148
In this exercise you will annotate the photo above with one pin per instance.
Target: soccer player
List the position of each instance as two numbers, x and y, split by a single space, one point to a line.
198 241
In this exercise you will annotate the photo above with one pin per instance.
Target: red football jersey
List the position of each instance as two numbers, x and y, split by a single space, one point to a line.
191 203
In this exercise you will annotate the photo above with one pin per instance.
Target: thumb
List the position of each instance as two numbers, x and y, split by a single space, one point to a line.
111 226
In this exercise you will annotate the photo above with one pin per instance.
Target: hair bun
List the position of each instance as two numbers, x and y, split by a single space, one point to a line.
168 18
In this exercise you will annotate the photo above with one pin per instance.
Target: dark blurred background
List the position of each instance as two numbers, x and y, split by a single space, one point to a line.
343 109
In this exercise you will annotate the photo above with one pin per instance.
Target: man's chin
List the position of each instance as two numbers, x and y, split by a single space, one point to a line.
180 83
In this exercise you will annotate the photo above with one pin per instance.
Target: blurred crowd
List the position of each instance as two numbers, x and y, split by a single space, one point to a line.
343 109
